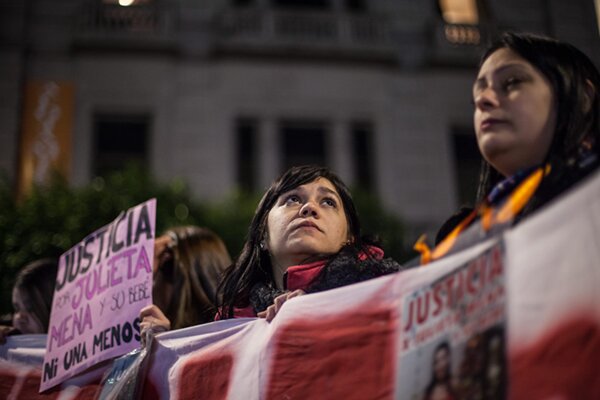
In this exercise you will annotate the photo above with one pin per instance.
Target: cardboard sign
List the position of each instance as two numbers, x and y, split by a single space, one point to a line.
101 285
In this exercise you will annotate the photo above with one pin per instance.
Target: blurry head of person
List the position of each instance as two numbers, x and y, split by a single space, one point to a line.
188 263
440 385
536 101
441 362
306 215
32 296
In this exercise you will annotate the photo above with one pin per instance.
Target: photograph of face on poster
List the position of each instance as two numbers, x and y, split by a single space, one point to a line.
475 369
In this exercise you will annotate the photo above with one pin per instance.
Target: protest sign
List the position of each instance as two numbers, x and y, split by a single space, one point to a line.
101 285
453 332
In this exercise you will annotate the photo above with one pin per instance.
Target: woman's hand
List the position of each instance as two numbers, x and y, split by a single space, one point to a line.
274 308
5 331
153 320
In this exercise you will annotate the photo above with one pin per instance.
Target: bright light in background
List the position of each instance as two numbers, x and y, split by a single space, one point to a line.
125 3
460 11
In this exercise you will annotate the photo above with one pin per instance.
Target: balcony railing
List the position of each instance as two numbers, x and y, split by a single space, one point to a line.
263 30
149 22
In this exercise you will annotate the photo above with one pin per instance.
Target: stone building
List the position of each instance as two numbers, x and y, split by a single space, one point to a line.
227 93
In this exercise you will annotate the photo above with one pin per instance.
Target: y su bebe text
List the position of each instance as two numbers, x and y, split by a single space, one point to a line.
103 340
94 284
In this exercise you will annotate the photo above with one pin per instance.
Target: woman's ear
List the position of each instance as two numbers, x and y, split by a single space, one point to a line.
589 96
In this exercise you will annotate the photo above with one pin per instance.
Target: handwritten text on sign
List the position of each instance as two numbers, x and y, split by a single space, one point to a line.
101 285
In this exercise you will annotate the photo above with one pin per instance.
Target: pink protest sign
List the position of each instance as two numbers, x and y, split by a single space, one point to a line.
101 285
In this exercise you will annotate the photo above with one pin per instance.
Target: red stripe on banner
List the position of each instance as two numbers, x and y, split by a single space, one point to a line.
18 383
561 365
205 378
31 388
7 381
349 356
150 392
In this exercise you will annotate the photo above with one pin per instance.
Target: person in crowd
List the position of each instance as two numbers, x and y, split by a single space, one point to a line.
441 387
305 237
537 124
188 264
32 299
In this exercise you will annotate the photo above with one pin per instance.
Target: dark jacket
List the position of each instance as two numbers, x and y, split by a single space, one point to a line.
345 268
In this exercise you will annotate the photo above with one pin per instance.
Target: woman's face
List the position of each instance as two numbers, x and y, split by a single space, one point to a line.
163 270
305 222
24 319
515 113
162 246
441 363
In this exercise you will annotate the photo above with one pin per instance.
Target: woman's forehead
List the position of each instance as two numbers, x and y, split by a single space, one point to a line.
320 183
503 58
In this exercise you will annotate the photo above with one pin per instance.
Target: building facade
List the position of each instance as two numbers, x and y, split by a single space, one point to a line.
226 94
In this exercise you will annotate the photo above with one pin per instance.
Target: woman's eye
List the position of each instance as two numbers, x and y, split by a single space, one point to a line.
292 199
330 202
511 83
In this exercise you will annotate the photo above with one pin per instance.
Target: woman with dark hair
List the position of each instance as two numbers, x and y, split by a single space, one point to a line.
188 264
440 387
305 237
32 298
537 123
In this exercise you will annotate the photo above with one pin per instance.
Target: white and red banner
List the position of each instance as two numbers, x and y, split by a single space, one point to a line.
520 314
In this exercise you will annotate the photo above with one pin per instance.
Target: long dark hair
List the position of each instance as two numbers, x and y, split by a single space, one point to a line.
36 280
446 380
570 72
254 264
198 259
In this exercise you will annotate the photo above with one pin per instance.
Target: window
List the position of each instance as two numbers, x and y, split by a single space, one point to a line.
243 3
467 162
362 147
356 6
301 4
459 11
246 137
462 20
597 2
303 143
119 140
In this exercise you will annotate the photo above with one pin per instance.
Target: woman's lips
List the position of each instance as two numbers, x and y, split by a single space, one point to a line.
490 123
307 225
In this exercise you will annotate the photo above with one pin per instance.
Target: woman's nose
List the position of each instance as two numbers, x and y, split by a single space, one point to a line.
486 99
18 316
308 209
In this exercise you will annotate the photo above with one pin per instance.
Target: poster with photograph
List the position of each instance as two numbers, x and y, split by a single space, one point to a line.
453 337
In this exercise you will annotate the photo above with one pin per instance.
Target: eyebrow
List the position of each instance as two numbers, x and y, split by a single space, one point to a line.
324 189
321 189
479 82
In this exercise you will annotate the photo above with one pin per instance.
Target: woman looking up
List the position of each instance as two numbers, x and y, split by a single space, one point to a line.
305 237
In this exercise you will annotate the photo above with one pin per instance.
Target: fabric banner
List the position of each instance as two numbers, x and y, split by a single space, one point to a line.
517 317
101 285
45 145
